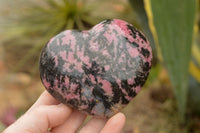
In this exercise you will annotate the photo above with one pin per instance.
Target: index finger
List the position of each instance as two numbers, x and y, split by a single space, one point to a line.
114 124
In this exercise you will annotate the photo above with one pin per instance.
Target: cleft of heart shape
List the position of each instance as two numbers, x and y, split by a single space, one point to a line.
97 71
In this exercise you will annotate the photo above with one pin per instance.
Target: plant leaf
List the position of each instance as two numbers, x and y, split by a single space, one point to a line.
174 21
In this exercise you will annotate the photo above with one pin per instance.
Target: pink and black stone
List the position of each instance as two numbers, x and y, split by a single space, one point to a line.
97 71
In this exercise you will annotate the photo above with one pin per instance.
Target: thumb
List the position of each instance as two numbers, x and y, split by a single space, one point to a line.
40 119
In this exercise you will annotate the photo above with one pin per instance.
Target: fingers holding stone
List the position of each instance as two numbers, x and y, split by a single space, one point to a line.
72 124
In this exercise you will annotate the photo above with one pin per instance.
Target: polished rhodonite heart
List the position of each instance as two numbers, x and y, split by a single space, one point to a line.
97 71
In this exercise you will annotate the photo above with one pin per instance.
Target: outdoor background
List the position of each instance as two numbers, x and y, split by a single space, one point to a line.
170 100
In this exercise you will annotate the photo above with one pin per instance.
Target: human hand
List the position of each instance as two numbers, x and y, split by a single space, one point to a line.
49 116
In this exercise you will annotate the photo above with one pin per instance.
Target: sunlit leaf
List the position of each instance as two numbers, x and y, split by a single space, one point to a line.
196 53
195 63
195 71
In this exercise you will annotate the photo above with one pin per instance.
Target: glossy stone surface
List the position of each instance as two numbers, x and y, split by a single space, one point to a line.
97 71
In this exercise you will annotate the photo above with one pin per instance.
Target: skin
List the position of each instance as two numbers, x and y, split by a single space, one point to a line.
49 116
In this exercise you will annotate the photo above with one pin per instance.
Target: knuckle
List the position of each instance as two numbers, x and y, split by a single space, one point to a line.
39 111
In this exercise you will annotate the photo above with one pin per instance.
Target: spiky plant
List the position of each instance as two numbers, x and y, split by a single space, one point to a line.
28 25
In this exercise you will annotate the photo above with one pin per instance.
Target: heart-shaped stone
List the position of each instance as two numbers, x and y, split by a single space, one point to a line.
97 71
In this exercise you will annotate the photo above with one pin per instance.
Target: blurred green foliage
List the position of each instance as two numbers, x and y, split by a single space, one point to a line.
34 23
2 127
